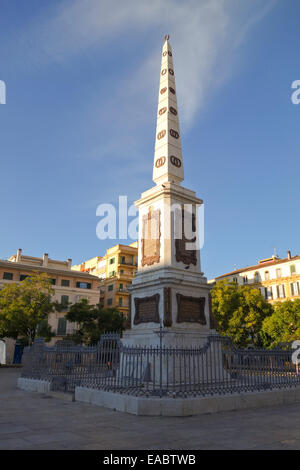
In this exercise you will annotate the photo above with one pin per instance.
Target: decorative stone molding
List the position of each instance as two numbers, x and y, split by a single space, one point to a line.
150 245
167 306
182 254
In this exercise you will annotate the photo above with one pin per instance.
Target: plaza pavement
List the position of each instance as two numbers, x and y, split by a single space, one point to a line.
37 421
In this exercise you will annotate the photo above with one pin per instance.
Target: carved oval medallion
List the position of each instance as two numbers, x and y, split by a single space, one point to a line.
173 111
175 161
174 134
163 90
161 134
171 71
164 71
160 162
170 53
162 111
172 90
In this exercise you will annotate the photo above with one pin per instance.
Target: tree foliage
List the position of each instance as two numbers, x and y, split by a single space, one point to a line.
93 321
25 306
240 312
284 324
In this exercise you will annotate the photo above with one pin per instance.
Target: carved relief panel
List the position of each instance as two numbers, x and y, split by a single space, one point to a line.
190 309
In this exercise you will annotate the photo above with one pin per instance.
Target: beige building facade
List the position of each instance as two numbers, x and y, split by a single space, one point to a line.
278 279
69 286
116 270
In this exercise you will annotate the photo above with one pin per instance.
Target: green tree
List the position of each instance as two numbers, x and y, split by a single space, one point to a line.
24 308
240 312
93 321
283 325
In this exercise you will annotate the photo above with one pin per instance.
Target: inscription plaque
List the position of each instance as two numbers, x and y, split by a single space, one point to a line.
146 309
151 238
167 306
190 309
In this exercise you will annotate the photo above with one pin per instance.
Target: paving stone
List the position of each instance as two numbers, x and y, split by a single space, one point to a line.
35 421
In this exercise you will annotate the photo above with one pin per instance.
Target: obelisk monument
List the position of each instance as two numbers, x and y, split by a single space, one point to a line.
169 288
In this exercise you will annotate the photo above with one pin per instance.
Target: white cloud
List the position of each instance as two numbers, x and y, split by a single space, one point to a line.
204 36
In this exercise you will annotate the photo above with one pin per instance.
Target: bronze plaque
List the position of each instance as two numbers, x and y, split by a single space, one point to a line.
163 90
151 238
182 254
161 134
172 90
190 309
173 110
171 71
146 309
167 306
162 111
170 53
174 134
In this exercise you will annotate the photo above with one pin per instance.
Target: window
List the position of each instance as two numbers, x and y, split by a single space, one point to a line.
110 287
121 287
245 279
62 327
122 259
278 273
120 301
112 274
112 260
268 293
53 282
280 291
8 276
23 276
234 280
295 288
121 271
109 301
293 269
256 277
267 275
83 285
65 301
65 283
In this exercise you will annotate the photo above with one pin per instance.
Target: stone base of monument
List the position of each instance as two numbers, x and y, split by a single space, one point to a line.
155 406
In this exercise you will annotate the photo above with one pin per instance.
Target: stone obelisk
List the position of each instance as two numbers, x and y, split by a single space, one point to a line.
169 288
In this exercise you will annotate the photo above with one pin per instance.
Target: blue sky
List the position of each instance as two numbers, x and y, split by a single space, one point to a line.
78 128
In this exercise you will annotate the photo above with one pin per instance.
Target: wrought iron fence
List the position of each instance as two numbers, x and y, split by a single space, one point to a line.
216 368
